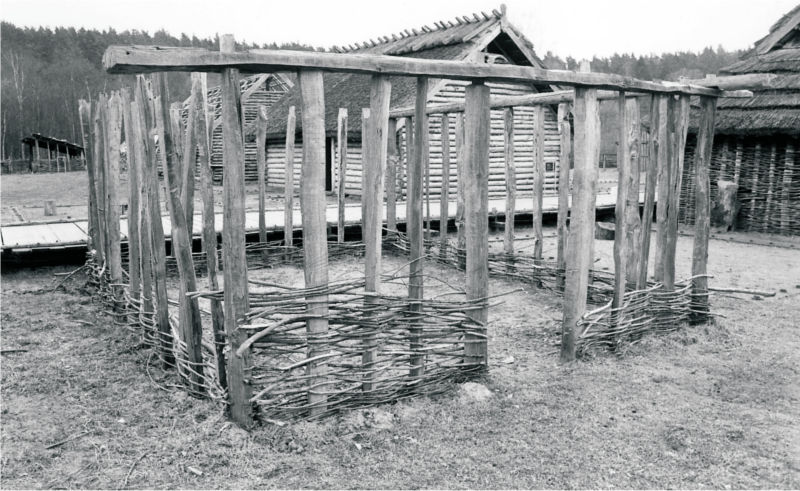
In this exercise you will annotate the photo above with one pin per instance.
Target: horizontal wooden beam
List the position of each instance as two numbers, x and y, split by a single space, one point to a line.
146 59
748 81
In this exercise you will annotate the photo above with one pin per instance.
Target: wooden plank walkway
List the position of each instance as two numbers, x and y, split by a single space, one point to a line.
28 236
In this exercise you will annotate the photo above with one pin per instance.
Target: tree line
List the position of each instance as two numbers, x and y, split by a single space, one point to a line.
44 72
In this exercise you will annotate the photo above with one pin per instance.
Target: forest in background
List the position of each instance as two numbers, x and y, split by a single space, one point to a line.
44 72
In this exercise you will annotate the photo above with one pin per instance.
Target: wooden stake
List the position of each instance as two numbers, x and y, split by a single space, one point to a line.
538 180
134 256
564 164
416 169
190 323
85 114
461 238
315 251
341 139
702 221
623 188
476 192
444 199
392 161
511 180
662 181
233 239
681 125
375 155
649 195
261 168
365 112
579 249
786 201
633 224
113 132
189 163
288 187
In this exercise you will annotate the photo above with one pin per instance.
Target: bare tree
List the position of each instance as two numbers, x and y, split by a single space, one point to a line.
18 77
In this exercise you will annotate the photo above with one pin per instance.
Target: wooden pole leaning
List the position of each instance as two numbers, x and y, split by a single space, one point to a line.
392 162
565 162
375 156
416 169
236 301
477 122
288 185
511 181
261 171
209 233
315 247
341 139
702 161
579 248
189 162
649 193
190 323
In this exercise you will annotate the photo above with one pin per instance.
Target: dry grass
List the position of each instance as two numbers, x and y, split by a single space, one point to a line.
706 407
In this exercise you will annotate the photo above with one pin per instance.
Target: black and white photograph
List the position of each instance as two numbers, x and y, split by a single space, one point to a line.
423 244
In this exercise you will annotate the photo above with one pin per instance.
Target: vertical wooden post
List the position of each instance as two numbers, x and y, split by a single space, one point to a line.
702 160
511 180
113 132
737 162
85 113
209 233
754 186
190 323
461 237
365 113
786 200
476 191
444 198
621 225
392 161
663 164
633 226
409 126
416 169
134 257
538 180
155 225
315 247
649 191
261 170
341 140
233 238
681 125
564 164
767 218
427 170
375 154
99 154
579 247
187 173
288 186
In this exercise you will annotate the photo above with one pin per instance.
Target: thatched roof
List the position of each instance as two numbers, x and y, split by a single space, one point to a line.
452 40
777 109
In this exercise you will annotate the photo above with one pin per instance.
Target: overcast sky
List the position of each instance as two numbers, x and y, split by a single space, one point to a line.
579 28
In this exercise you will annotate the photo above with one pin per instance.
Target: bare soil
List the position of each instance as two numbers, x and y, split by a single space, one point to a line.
713 406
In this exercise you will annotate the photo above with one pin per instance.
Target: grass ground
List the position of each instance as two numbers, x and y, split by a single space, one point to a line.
711 406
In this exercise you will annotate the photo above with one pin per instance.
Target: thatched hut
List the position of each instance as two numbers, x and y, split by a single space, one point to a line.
757 139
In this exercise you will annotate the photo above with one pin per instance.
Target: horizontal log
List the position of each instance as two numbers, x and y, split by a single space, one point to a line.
147 59
744 81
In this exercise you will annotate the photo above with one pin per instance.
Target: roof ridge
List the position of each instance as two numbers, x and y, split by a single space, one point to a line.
476 17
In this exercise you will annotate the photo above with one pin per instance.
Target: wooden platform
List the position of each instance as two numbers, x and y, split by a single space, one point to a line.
73 234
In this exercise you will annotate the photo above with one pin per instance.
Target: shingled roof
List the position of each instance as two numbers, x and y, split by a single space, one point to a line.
457 39
777 109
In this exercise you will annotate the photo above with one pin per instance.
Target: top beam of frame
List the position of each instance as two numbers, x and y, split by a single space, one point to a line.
146 59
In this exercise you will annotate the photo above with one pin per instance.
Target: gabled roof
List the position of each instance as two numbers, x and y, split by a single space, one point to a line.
459 39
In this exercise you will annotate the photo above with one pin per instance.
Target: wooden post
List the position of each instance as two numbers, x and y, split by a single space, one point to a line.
766 217
633 225
662 181
190 323
113 132
261 168
288 186
564 164
649 191
375 154
702 160
416 169
409 125
681 126
365 113
209 233
99 156
511 180
737 162
233 238
341 140
477 122
538 180
315 247
155 225
786 200
134 257
623 188
187 170
85 114
754 186
444 198
461 237
427 169
392 161
579 248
